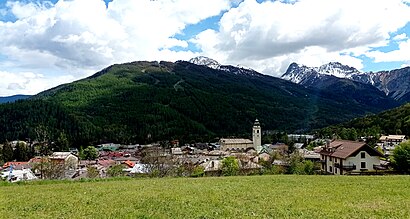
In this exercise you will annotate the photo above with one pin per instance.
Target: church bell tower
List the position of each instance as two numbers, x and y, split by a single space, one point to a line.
257 135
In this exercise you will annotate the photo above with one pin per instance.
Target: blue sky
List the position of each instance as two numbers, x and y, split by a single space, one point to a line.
46 43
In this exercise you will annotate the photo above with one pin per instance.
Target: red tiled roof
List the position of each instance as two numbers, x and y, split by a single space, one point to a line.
7 164
130 163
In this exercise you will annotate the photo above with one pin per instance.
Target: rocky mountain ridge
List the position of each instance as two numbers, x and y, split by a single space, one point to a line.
394 83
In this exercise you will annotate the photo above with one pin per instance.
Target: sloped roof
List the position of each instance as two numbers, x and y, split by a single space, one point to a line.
344 149
8 164
129 163
392 137
235 141
60 155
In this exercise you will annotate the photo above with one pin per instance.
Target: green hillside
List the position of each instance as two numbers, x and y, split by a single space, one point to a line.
148 101
270 196
394 121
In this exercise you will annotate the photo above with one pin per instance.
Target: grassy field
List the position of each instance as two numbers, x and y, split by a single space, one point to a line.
277 196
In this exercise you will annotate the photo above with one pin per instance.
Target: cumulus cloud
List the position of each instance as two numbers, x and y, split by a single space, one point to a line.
74 38
28 82
76 35
399 37
271 34
401 54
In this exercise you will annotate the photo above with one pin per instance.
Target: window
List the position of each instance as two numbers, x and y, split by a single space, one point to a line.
330 158
335 160
330 169
335 170
257 131
363 155
363 165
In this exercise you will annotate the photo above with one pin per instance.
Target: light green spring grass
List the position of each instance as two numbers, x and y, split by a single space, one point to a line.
276 196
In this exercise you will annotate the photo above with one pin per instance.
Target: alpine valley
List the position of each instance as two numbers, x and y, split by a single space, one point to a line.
198 100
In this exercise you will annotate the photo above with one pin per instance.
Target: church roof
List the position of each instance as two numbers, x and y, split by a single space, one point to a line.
256 123
236 141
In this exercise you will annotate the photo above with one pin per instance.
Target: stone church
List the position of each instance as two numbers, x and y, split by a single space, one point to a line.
241 144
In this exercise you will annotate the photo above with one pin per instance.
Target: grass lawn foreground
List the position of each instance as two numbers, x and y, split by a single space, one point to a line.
272 196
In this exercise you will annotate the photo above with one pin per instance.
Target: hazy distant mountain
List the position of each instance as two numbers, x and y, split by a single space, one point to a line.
394 83
13 98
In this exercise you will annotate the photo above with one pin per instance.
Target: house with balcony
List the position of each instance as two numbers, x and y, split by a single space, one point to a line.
341 157
389 142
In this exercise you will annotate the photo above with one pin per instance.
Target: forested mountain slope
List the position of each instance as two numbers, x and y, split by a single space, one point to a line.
149 101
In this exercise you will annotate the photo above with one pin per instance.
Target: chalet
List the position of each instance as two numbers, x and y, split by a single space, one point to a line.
67 159
344 157
212 167
389 142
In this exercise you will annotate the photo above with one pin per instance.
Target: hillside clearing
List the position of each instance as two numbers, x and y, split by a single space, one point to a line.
277 196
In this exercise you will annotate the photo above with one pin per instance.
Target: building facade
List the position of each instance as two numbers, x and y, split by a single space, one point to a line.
389 142
235 144
345 157
257 135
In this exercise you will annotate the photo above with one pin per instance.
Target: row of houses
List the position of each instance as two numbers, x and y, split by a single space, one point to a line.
336 157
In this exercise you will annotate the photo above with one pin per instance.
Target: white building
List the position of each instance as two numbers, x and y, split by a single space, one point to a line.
389 142
343 157
257 136
18 175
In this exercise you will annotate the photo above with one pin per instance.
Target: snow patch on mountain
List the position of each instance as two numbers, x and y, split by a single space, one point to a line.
298 73
394 83
211 63
202 60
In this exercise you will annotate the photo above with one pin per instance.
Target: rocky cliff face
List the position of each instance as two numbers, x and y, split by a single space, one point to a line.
394 83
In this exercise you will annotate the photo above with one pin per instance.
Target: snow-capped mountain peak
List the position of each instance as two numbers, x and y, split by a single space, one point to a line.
337 69
202 60
211 63
298 73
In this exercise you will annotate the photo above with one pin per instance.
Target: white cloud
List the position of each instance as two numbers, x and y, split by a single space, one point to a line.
400 37
12 83
77 36
74 38
401 54
272 34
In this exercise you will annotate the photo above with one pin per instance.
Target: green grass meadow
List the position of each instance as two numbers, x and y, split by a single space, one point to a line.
274 196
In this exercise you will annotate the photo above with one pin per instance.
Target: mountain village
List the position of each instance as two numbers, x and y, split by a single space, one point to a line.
330 156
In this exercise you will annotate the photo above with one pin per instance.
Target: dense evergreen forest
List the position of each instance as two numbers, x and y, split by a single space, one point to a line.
143 102
394 121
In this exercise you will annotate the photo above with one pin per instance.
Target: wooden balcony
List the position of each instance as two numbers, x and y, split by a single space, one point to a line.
345 167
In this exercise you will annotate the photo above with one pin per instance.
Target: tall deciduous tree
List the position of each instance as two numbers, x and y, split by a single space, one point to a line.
401 157
90 153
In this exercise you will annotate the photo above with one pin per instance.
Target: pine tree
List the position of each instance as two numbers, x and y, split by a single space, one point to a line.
7 152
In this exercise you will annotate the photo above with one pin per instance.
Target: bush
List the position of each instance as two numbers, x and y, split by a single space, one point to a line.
401 157
230 166
198 171
115 171
92 172
90 153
